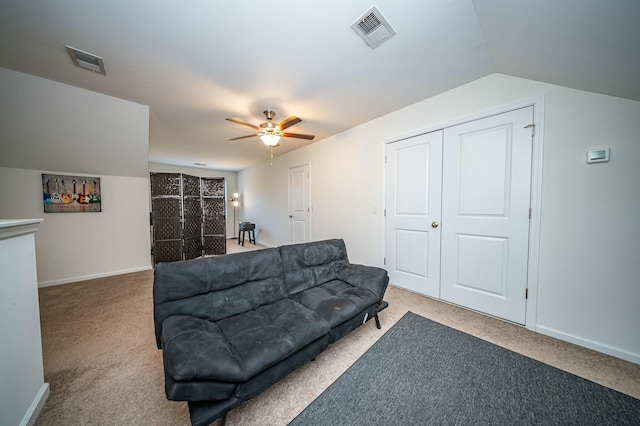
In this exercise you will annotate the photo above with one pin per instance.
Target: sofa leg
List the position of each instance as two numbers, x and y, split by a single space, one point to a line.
222 420
377 321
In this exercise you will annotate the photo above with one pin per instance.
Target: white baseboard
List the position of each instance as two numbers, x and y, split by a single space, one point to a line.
264 244
93 276
36 406
590 344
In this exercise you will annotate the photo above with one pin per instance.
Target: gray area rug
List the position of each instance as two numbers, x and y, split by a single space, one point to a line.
425 373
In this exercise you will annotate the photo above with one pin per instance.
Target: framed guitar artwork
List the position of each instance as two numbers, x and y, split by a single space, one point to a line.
57 195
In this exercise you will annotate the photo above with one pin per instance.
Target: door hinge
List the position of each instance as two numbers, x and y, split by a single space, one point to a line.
385 159
526 293
529 212
385 212
384 261
533 128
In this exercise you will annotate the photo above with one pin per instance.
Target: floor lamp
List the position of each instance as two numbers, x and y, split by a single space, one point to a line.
236 203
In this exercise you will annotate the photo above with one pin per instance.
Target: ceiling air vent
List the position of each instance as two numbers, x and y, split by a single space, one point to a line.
86 60
373 28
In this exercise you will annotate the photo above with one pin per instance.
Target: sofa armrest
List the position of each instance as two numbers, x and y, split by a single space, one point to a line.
368 277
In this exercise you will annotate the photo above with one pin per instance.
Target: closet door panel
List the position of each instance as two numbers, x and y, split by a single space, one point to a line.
412 233
485 214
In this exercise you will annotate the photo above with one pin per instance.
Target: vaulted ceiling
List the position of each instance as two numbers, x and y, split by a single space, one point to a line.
198 62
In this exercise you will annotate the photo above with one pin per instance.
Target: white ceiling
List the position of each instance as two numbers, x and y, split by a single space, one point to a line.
197 62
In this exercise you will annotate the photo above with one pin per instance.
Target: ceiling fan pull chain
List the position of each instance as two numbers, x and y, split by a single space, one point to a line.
272 156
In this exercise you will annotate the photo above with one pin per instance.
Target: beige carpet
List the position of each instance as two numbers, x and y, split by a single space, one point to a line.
102 364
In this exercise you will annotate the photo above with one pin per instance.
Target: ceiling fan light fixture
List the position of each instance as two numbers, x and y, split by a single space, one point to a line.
270 139
270 132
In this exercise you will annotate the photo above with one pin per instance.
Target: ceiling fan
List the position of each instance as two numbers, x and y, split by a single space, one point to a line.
270 132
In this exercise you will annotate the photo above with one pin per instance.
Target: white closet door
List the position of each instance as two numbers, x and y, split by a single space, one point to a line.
412 232
485 214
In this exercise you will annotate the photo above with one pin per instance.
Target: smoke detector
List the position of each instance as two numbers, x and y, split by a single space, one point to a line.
373 28
86 60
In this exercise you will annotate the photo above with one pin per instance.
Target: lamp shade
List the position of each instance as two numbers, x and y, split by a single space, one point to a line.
270 139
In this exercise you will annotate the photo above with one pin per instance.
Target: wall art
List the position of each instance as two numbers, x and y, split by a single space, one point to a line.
71 194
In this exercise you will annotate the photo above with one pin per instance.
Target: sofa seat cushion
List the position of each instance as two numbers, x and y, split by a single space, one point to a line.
237 348
336 301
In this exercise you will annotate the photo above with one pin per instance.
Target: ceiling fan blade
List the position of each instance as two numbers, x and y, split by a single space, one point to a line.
241 137
288 122
298 135
235 120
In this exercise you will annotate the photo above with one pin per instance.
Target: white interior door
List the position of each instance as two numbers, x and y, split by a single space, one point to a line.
412 232
299 204
485 214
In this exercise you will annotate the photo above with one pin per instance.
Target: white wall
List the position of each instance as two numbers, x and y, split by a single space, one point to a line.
345 186
23 391
49 127
589 274
589 289
231 179
77 246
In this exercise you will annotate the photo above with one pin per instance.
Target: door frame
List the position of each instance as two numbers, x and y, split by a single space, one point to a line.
533 259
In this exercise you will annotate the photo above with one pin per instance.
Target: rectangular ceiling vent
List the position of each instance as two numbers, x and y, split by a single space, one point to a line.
86 60
373 28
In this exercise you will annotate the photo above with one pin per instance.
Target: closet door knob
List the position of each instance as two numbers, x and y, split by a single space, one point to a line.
434 224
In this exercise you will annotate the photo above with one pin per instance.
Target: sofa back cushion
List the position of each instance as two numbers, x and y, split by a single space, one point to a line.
217 287
312 264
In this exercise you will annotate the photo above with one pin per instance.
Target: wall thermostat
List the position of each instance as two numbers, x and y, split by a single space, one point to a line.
599 155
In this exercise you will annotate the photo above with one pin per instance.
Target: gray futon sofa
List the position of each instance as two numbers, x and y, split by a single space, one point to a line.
231 326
